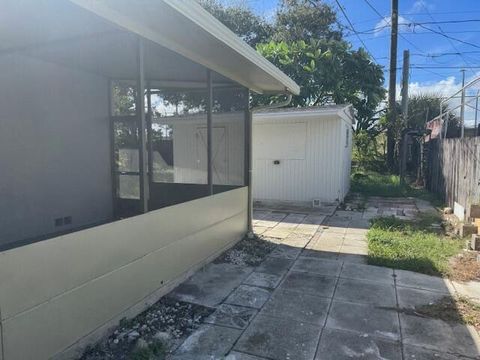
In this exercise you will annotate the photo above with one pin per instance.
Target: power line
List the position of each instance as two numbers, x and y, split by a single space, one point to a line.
389 22
353 29
449 38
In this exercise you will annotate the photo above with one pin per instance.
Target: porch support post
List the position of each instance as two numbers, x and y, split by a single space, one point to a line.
149 136
209 132
140 109
249 160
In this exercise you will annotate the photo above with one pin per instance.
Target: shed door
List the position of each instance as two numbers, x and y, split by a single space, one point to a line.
219 153
279 152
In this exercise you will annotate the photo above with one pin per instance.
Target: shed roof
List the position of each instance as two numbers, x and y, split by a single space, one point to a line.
342 111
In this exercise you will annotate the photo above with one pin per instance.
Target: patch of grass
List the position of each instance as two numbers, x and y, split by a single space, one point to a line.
410 245
458 310
387 185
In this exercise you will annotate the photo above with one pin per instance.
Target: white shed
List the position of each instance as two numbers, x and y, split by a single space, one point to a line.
302 155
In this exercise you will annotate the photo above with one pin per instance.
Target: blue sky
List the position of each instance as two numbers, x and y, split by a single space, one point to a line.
426 48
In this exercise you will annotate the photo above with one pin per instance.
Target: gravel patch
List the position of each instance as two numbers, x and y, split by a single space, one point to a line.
247 252
151 335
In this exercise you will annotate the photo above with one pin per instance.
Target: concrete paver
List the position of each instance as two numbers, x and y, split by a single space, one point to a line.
259 279
364 319
276 338
314 297
366 292
231 316
315 266
207 342
367 272
342 345
312 284
439 335
297 306
212 284
249 296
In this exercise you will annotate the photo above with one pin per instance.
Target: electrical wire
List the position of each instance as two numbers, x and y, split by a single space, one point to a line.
353 29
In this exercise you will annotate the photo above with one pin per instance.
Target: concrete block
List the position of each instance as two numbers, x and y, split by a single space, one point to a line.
475 242
475 211
465 230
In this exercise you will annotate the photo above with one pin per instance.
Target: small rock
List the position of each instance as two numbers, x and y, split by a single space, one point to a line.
141 344
132 335
162 336
116 341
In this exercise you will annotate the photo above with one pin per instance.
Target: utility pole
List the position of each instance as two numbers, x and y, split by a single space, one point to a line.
462 108
405 78
391 86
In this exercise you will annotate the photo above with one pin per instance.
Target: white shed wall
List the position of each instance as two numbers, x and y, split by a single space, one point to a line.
321 171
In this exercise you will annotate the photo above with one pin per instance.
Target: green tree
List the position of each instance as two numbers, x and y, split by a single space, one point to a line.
426 106
330 72
304 19
241 20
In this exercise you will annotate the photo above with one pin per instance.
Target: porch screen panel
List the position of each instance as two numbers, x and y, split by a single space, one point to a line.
179 146
228 138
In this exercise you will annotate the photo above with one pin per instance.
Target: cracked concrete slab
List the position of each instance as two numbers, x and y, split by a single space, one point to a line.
342 345
231 316
249 296
212 284
276 338
364 319
285 251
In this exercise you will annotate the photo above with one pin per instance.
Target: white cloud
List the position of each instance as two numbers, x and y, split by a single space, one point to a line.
385 24
421 6
445 88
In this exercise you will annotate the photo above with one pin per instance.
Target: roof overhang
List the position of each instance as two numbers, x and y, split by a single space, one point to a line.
340 112
187 29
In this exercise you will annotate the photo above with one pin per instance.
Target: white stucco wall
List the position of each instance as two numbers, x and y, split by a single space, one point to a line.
67 290
314 159
54 148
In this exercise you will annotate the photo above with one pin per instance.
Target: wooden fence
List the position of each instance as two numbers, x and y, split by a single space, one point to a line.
452 170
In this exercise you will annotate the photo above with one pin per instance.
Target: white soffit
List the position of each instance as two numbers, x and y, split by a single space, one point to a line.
184 27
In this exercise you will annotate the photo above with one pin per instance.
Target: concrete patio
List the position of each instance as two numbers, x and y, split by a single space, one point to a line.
314 297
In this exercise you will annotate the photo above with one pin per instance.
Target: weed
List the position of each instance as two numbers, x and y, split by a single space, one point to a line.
410 245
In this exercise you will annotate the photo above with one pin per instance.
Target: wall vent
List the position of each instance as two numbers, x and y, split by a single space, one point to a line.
316 203
58 222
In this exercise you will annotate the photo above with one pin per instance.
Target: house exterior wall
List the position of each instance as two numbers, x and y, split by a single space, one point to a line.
54 148
314 161
70 289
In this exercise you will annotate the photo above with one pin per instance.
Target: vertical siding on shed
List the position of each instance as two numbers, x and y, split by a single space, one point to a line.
323 173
